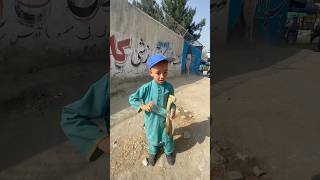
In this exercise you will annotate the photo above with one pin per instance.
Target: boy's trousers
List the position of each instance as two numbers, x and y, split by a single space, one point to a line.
168 147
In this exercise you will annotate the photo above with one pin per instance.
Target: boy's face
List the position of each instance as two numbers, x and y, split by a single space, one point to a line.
159 72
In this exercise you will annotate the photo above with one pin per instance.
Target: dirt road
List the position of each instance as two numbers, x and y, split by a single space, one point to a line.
193 153
270 109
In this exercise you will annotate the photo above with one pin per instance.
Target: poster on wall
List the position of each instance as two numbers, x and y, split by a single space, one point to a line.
190 60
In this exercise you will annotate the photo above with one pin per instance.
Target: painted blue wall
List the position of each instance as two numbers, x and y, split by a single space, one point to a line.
234 12
184 56
195 61
270 18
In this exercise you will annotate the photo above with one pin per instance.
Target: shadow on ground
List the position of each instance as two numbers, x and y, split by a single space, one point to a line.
316 177
239 58
198 135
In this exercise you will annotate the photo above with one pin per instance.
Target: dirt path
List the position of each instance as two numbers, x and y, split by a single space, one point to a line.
193 154
273 114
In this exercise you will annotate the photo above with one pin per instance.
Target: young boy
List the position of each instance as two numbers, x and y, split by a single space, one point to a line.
155 92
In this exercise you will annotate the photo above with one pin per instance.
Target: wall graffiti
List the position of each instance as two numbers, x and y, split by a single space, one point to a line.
120 58
140 53
146 37
35 20
32 13
166 49
83 10
164 45
130 54
86 10
89 34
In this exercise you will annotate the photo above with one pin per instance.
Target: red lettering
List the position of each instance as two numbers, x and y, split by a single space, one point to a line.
121 45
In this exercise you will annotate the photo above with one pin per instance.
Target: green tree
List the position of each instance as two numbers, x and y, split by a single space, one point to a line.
151 8
177 12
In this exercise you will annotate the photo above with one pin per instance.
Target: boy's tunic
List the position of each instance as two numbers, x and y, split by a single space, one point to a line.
79 119
154 124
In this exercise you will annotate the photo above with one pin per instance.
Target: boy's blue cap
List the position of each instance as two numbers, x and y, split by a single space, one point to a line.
153 60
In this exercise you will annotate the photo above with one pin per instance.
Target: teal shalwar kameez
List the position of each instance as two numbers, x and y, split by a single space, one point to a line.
79 119
154 124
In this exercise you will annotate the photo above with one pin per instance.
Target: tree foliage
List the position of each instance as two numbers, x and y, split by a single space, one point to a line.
175 14
151 8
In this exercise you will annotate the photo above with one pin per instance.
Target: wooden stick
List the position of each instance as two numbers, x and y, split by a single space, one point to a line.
171 100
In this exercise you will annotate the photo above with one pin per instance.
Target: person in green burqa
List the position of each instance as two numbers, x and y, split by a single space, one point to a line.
79 120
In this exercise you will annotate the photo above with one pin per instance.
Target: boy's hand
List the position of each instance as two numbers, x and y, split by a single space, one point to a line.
172 113
147 107
104 145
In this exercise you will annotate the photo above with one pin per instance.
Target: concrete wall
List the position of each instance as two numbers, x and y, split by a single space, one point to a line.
43 24
219 21
135 36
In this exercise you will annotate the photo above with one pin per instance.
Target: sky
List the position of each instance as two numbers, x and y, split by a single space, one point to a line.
202 11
